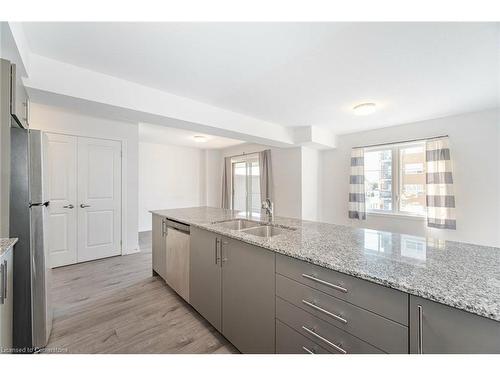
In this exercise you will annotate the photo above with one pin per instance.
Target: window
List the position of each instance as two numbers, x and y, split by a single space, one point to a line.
395 179
246 184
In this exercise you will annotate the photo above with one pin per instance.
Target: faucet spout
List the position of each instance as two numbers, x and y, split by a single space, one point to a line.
268 206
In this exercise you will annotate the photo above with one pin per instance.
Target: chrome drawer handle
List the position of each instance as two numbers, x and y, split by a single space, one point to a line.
337 287
70 206
316 307
328 342
308 351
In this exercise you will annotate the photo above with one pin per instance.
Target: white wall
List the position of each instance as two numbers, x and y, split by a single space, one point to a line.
213 173
311 183
58 120
169 177
474 141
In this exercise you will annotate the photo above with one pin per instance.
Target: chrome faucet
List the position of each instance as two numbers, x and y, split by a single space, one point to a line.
269 207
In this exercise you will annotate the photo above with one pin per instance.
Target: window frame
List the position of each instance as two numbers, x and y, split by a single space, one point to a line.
396 172
248 160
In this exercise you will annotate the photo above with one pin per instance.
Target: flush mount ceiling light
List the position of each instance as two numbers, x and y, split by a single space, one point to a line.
200 139
364 109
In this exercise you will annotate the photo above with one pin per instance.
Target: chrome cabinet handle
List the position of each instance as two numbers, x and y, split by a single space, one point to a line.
326 341
337 287
2 297
84 205
316 307
217 251
70 206
5 274
420 349
308 351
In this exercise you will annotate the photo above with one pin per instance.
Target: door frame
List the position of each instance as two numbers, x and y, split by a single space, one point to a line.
123 202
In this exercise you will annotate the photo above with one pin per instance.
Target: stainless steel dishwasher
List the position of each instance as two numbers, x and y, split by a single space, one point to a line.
178 235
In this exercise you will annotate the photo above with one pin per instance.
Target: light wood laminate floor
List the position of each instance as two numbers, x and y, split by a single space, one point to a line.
115 305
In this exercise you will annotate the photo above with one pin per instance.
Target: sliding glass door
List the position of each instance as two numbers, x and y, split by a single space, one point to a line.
246 184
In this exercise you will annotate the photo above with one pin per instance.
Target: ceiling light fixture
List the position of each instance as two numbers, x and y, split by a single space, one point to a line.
364 109
200 139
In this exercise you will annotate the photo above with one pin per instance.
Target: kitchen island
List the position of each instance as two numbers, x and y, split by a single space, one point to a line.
454 280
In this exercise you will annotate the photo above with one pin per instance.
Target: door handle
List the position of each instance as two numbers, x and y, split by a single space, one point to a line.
70 206
84 205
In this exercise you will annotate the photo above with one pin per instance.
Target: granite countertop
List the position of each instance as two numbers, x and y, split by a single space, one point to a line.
6 244
461 275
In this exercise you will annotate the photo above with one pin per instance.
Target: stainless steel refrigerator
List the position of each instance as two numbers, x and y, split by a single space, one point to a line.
28 221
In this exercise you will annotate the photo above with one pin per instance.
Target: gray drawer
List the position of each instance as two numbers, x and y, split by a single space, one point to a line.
383 333
322 332
289 341
384 301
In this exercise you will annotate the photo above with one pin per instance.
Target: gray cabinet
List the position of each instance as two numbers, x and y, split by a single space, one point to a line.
379 331
381 300
310 327
342 313
232 286
6 296
205 276
159 244
440 329
248 296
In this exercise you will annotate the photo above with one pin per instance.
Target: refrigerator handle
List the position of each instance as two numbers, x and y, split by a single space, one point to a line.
2 297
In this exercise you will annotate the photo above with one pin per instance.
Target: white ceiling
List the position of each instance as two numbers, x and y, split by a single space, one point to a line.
295 74
179 137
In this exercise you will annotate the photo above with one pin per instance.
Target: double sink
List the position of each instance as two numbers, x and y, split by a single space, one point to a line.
254 227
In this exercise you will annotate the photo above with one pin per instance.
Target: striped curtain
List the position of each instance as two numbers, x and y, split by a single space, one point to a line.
439 179
357 209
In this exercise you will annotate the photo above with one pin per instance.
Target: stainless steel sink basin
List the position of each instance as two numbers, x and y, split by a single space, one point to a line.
266 231
239 224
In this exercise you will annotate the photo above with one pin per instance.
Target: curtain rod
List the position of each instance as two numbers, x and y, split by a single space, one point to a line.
247 153
408 141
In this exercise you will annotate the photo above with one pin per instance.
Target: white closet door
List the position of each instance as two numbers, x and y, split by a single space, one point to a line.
99 198
61 170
